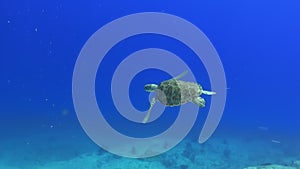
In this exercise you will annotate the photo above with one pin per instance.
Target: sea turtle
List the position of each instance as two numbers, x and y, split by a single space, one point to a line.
175 92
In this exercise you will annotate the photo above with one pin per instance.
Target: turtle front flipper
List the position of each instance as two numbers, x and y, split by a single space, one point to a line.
199 101
146 118
181 75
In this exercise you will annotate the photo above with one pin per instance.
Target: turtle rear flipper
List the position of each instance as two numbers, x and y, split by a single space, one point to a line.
208 92
199 101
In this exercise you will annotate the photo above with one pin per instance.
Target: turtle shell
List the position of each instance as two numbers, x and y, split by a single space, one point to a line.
177 92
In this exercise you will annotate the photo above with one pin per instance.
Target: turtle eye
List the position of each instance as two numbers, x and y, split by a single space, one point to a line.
147 87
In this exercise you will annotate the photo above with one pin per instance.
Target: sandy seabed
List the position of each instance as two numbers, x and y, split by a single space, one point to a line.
69 150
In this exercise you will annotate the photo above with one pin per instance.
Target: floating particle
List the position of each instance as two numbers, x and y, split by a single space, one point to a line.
263 128
65 112
276 141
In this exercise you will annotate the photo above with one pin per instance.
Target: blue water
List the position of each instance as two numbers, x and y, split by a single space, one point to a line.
258 44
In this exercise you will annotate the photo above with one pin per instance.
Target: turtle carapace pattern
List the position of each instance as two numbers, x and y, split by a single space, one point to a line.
175 92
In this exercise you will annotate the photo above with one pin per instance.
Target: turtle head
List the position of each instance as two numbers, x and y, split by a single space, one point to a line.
150 87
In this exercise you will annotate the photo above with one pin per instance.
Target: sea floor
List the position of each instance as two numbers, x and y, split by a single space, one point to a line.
68 149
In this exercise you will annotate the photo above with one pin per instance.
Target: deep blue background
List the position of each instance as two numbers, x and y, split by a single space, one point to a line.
258 43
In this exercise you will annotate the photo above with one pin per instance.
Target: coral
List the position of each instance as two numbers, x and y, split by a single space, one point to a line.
294 165
271 167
